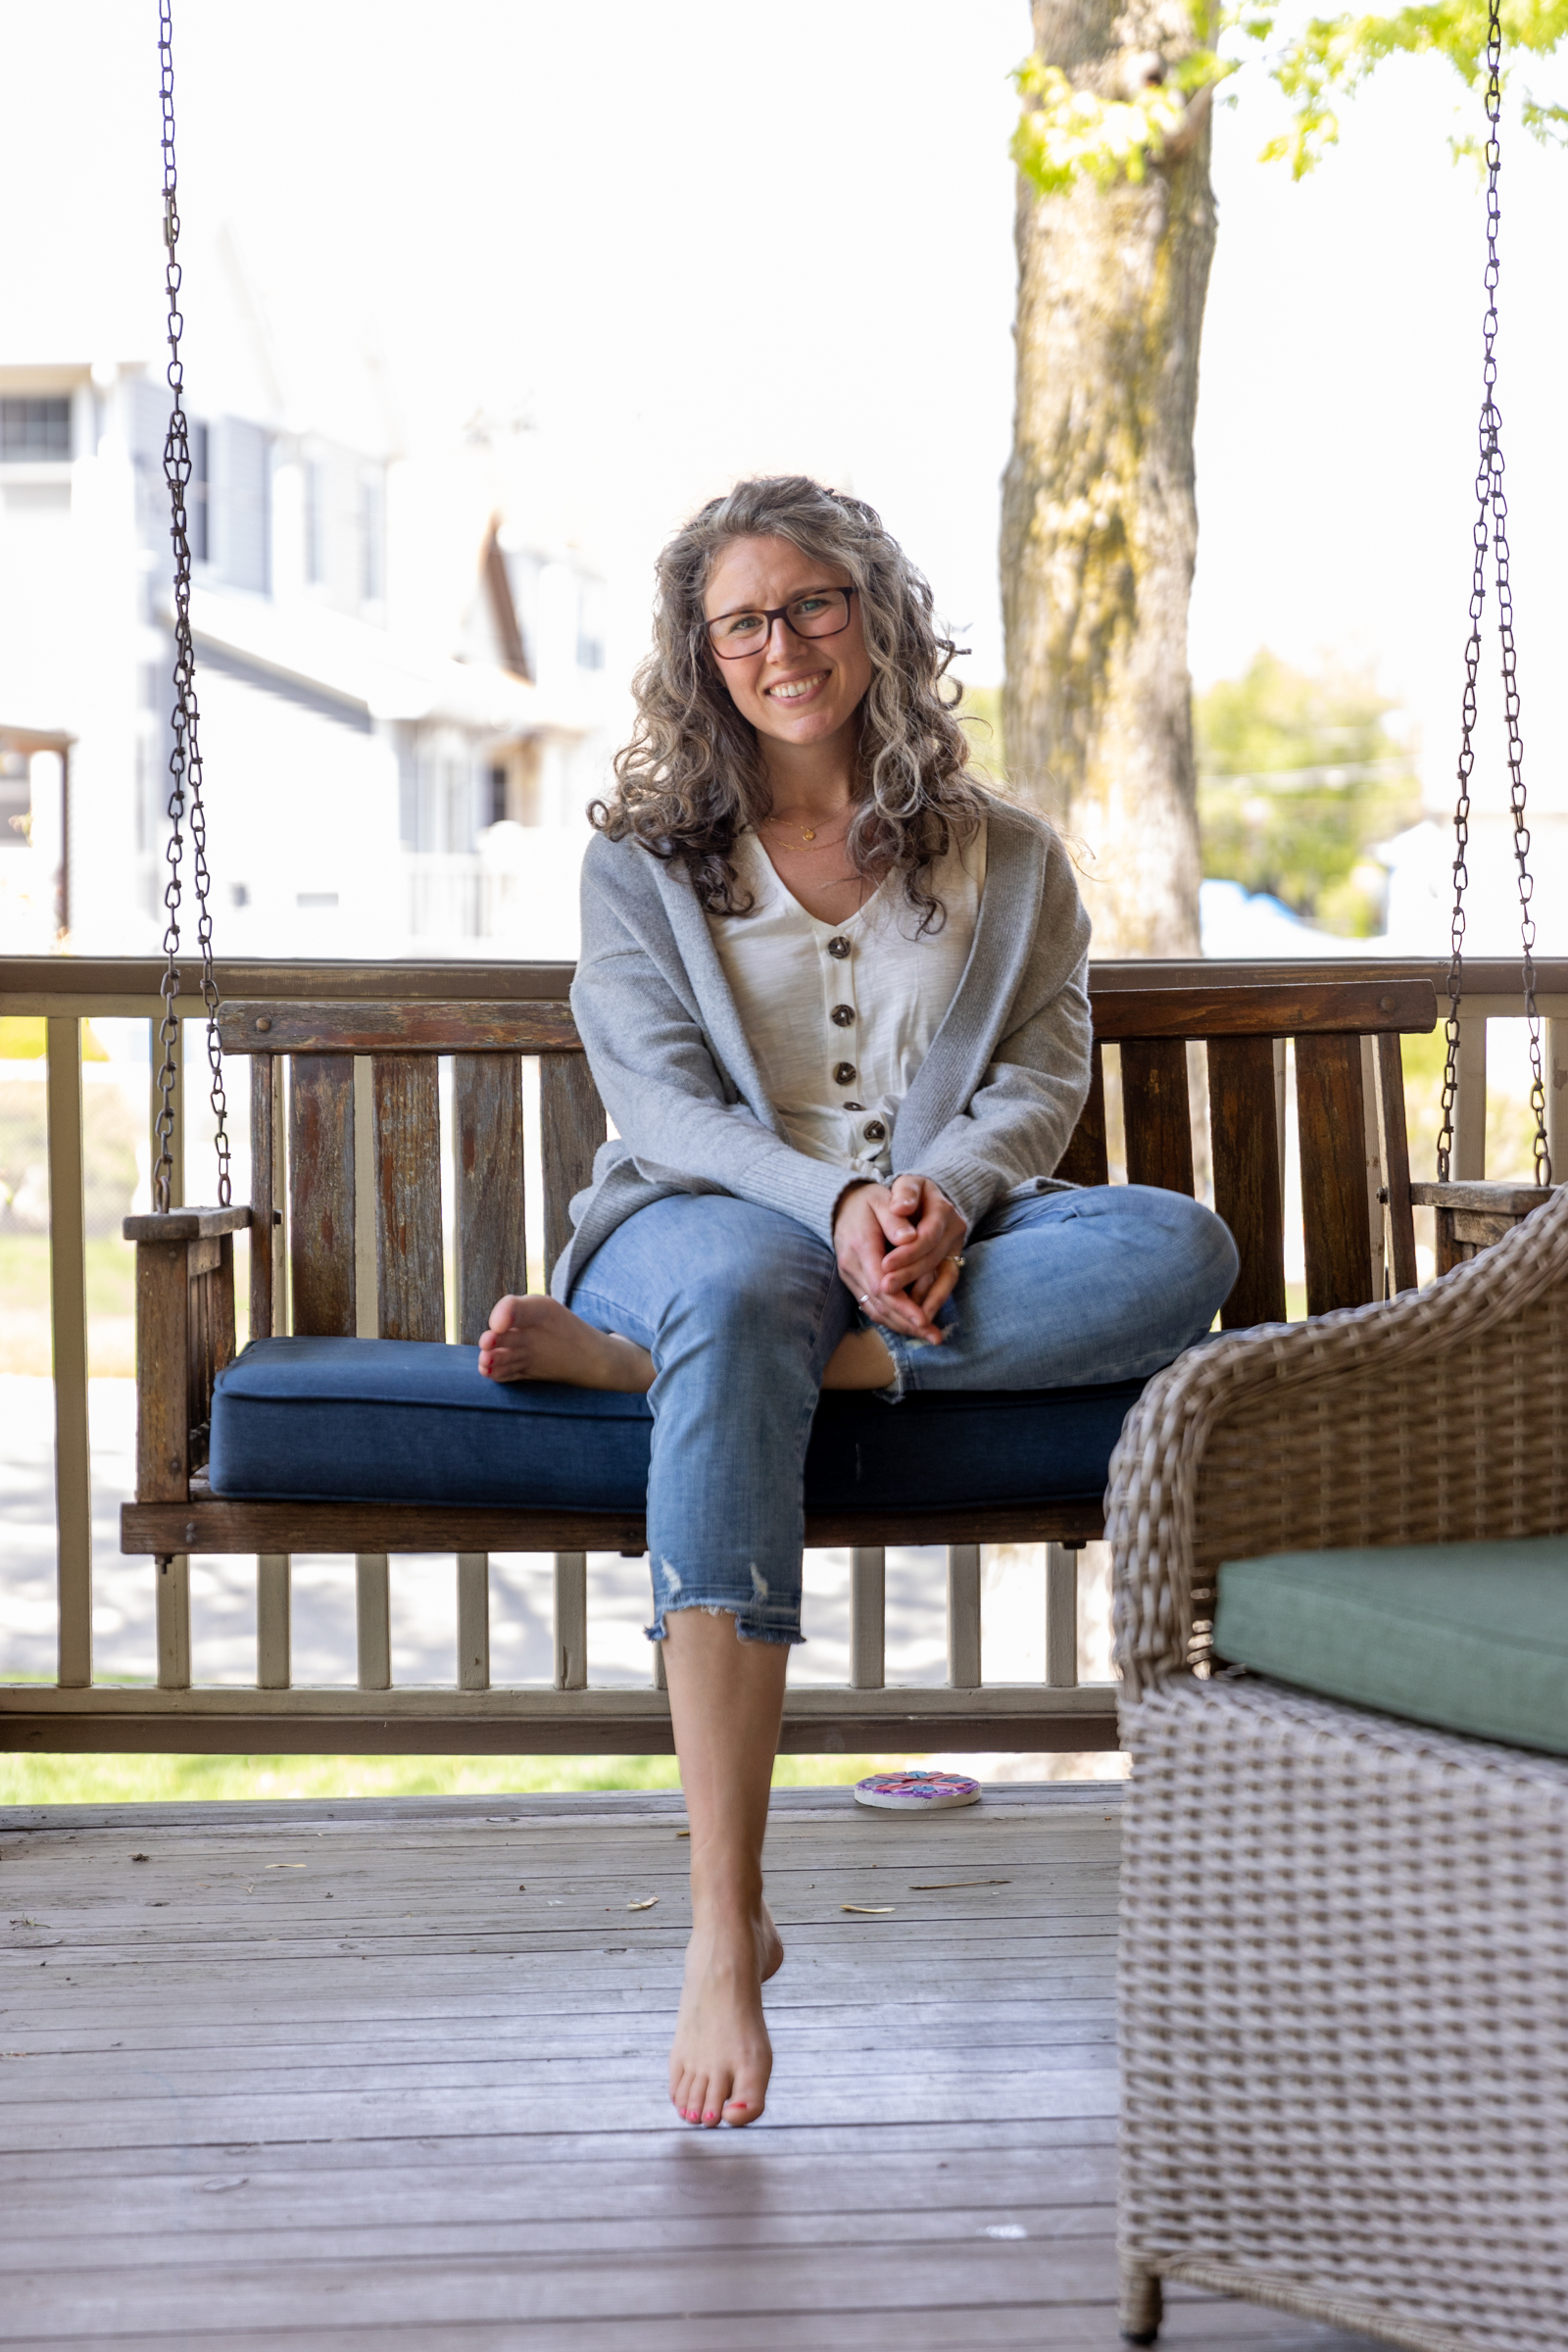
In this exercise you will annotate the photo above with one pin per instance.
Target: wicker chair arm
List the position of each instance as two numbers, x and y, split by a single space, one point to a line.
1437 1415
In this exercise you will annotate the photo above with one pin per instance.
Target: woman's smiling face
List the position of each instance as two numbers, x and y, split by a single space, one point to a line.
797 690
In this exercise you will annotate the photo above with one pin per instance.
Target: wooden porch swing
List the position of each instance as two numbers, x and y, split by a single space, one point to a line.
336 1084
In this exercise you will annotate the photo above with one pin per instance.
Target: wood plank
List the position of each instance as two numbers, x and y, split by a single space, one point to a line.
1498 1200
473 1621
372 1619
1330 1108
321 1199
163 1347
571 1595
173 1623
573 1126
267 1078
68 1308
274 1621
205 1721
186 1224
1247 1006
1085 1160
867 1617
1262 1007
136 978
1061 1617
411 1294
1154 1113
492 1247
1396 1162
1247 1175
1469 1163
343 1527
401 1023
963 1616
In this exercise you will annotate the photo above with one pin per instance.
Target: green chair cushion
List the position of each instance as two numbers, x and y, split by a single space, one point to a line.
1468 1636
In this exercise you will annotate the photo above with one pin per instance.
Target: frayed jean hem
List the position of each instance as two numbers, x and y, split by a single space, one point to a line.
749 1627
903 1353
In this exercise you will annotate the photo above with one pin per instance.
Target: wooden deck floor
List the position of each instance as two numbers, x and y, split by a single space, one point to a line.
288 2078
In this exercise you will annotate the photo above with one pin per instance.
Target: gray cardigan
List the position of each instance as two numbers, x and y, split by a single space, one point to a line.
989 1112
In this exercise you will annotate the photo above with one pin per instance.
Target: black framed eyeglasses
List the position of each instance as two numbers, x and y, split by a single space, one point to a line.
818 613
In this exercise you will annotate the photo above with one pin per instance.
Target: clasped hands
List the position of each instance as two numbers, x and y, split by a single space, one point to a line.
896 1245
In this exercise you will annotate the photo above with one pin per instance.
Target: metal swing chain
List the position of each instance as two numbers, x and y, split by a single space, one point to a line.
186 759
1492 522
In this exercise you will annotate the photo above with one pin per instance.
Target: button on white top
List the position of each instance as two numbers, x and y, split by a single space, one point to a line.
790 975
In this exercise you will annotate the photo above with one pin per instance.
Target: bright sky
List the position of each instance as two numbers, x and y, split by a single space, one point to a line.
697 238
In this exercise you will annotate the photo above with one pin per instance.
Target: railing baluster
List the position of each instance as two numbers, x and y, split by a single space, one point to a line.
473 1621
963 1616
1061 1616
1556 1071
1470 1108
1377 1222
173 1622
867 1617
68 1300
273 1632
372 1619
571 1621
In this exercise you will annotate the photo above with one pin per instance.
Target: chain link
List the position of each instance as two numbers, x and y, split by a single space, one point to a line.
186 759
1492 526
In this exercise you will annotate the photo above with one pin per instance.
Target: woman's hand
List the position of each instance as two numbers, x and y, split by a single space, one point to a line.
896 1246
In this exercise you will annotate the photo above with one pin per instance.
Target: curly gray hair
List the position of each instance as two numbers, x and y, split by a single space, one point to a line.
691 777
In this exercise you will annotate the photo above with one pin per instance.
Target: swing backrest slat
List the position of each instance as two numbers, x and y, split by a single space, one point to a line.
1247 1145
320 1222
571 1128
1331 1106
492 1246
409 1288
1157 1116
1087 1158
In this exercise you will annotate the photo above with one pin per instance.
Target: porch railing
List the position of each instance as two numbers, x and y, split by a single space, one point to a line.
65 991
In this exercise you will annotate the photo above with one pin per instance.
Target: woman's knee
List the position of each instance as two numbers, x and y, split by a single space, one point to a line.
1198 1254
770 1300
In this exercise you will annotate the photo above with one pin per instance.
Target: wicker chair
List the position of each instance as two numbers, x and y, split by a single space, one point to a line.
1344 1975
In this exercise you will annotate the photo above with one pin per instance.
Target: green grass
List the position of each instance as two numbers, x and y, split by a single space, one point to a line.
110 1265
90 1780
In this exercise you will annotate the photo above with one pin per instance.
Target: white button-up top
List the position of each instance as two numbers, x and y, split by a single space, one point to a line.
841 1015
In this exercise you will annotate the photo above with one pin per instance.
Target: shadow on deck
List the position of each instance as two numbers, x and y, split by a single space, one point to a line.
306 2075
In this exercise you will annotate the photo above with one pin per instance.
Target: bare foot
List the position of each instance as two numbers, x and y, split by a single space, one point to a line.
721 2058
538 1338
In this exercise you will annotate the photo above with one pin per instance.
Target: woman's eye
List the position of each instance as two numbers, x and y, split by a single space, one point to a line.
742 624
805 605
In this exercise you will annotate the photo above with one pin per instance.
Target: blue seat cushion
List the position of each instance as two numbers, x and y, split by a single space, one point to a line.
412 1421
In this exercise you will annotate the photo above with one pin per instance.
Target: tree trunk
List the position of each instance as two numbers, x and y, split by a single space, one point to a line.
1100 522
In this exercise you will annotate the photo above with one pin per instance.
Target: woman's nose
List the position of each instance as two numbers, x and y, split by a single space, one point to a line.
781 639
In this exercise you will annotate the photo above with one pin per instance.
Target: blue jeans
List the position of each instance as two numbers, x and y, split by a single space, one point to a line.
741 1307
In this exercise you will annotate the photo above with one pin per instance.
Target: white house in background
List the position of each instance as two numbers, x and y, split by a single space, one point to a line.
384 776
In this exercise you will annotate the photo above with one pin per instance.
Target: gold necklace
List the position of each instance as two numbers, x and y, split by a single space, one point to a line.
807 833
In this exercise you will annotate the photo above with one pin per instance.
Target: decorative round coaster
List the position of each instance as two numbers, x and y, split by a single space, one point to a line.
917 1791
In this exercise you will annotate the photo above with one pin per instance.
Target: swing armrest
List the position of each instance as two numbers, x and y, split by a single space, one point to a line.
1438 1416
185 1337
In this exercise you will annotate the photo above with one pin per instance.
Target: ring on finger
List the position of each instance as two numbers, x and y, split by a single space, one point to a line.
952 1261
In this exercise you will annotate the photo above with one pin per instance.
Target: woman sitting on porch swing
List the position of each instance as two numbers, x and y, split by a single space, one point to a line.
833 994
